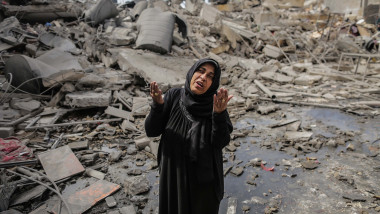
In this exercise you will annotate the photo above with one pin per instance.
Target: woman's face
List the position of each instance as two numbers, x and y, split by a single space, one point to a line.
202 78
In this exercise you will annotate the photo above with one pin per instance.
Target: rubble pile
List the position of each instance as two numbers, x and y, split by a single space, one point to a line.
74 93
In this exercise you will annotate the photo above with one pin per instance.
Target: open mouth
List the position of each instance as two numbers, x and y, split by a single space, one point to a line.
199 84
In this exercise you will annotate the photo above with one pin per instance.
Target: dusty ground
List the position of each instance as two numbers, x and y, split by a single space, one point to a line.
344 181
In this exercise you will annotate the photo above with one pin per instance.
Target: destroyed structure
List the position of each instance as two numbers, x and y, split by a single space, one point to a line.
74 94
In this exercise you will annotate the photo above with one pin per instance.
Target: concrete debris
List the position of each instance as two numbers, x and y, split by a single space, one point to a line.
74 92
102 10
150 25
136 185
95 173
87 99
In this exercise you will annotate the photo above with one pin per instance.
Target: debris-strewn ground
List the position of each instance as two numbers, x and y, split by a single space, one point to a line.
74 94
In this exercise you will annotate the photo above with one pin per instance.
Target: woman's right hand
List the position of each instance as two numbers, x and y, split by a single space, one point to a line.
156 93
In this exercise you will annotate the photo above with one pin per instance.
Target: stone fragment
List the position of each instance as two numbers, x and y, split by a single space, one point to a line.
140 106
95 173
134 172
292 135
303 67
331 143
121 36
88 99
350 147
78 145
245 208
209 14
231 147
255 162
266 18
128 126
273 52
153 148
309 164
267 109
111 201
354 197
25 105
136 185
115 156
127 210
6 132
232 205
307 80
237 171
141 142
118 113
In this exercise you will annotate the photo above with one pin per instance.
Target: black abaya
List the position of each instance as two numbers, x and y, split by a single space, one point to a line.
182 188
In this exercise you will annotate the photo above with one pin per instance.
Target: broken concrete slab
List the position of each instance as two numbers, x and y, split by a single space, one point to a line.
60 163
43 12
273 52
166 71
307 80
117 112
25 105
292 135
121 36
128 126
58 42
140 106
88 99
210 14
78 145
266 18
95 174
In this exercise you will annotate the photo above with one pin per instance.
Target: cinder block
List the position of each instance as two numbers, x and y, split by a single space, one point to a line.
6 132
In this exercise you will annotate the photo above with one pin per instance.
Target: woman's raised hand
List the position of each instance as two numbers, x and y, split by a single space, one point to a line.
156 93
220 100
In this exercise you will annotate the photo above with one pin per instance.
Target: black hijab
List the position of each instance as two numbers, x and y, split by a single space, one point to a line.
199 108
201 105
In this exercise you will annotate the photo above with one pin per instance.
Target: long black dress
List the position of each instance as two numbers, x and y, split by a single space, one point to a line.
183 187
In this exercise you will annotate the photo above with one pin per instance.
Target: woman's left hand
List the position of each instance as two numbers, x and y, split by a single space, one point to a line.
220 100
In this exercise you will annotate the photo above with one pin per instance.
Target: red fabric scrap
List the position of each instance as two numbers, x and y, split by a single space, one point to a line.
13 149
266 168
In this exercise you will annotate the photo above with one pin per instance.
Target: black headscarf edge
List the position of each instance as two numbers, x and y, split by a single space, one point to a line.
215 83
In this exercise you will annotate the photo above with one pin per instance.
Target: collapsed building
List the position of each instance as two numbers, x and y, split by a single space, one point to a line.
74 77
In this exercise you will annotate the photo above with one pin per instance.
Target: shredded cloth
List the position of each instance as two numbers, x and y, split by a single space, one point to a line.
13 149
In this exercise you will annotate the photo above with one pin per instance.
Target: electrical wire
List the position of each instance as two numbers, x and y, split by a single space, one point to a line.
45 176
17 88
45 185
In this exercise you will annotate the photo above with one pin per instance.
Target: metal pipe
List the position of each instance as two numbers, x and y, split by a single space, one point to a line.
265 89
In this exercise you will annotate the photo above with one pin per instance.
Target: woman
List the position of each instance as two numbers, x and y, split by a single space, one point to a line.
194 126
